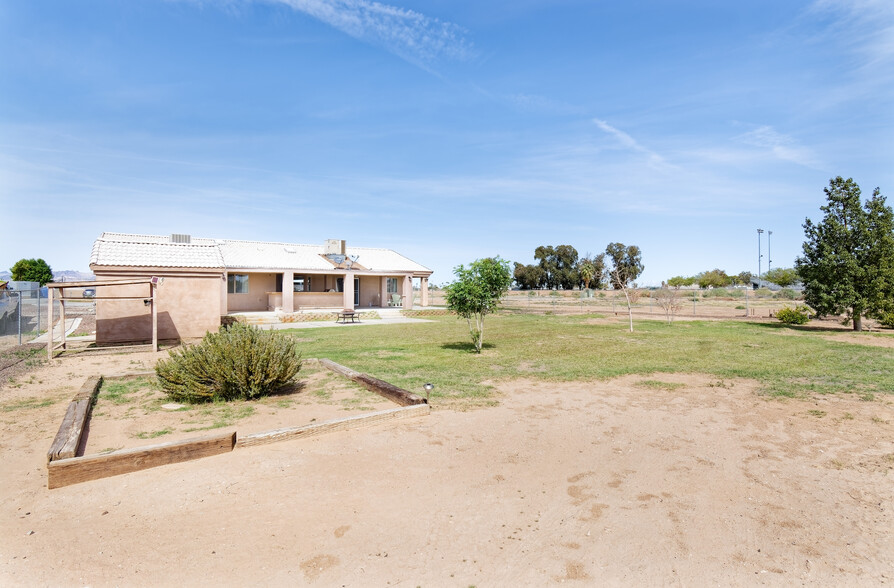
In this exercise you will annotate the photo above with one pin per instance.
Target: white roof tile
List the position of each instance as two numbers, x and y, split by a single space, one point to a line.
118 249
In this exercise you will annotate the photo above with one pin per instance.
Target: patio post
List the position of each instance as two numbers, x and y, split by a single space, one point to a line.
349 291
288 297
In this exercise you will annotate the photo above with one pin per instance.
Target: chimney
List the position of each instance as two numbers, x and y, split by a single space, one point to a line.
334 247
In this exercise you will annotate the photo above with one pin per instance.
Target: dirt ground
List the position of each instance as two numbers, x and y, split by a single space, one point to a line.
672 479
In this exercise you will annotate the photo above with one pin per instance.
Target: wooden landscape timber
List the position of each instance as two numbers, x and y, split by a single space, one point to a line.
64 472
65 468
68 439
354 422
381 387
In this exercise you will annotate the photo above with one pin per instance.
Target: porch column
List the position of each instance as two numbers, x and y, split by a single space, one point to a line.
288 297
408 292
348 302
383 291
423 286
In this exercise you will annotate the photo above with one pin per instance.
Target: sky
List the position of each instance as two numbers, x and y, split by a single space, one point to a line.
447 130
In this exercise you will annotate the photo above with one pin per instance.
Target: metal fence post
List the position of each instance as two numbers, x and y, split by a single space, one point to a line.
19 306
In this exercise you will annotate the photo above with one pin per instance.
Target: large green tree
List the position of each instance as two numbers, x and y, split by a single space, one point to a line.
715 278
784 276
560 265
32 270
627 265
529 277
476 292
848 261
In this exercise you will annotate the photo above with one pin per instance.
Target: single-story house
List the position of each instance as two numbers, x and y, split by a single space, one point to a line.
206 279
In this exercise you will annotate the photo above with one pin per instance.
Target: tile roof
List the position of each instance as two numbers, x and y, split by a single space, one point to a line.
118 249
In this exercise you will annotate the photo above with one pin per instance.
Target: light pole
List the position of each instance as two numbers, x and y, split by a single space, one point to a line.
759 231
769 255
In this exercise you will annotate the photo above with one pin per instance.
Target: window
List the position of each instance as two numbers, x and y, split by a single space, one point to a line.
391 285
301 284
237 283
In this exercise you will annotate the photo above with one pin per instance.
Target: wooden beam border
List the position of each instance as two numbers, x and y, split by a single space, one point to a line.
380 387
64 472
64 467
345 424
68 438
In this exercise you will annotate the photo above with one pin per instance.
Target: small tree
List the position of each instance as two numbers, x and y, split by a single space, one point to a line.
668 300
477 292
32 270
627 265
848 261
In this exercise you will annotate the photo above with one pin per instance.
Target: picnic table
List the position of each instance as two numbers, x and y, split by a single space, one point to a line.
342 316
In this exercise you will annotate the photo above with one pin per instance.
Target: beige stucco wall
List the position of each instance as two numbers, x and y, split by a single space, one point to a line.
370 294
259 284
189 306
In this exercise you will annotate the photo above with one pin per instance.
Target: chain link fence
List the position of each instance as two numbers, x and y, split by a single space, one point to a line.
24 314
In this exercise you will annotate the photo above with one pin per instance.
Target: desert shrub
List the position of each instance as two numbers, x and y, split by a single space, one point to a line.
239 361
786 294
723 293
794 316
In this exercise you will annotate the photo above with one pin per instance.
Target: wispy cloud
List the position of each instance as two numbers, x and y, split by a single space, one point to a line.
419 39
630 143
866 26
779 145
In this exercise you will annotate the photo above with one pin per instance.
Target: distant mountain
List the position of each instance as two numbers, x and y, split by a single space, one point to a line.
61 276
73 276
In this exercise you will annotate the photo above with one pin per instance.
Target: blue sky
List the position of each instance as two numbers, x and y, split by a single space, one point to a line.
447 130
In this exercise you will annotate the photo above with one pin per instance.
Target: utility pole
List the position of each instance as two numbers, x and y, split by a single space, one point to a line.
769 255
759 255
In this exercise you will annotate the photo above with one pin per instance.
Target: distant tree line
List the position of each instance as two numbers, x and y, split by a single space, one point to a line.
717 278
560 267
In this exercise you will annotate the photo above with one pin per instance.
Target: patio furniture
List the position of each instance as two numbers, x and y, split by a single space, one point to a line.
342 316
395 300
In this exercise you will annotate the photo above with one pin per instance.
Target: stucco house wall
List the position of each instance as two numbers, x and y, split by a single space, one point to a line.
188 306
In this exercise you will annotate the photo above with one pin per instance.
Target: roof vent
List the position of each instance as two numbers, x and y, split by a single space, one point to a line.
178 238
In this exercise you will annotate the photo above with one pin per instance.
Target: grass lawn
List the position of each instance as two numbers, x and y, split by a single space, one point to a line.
785 360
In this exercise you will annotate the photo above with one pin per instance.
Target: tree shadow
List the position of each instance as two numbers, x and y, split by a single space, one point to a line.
464 346
805 328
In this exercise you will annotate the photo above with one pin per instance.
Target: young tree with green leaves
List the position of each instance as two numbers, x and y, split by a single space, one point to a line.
32 270
627 265
848 261
476 292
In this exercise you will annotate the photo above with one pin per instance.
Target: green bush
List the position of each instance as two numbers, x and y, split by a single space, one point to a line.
887 319
723 293
794 316
786 294
239 361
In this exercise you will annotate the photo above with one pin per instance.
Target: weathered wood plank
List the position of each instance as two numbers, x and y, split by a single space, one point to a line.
65 472
381 387
68 438
355 422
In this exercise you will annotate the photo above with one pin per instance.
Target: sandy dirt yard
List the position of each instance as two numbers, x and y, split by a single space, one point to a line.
664 480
